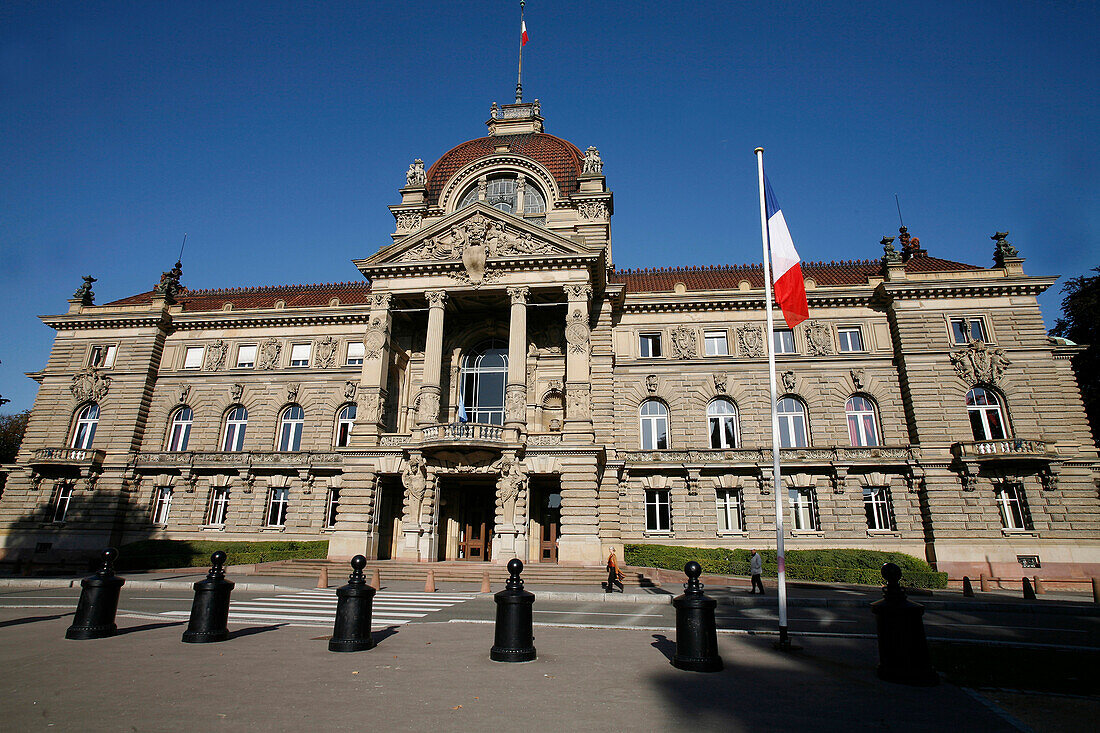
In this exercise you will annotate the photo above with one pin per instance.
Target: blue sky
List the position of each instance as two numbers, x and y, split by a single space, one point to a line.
276 133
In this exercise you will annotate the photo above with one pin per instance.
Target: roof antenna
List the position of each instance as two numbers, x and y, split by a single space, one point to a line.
896 201
522 41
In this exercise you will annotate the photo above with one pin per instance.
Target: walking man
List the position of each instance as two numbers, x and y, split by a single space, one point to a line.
756 566
614 575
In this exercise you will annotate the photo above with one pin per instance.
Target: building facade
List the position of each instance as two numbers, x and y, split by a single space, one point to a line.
494 388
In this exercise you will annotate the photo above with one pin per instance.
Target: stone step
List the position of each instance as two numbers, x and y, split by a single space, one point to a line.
468 572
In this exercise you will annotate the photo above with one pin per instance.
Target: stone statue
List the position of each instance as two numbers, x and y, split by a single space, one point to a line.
169 285
1003 249
416 176
978 363
592 161
415 480
84 293
511 489
889 255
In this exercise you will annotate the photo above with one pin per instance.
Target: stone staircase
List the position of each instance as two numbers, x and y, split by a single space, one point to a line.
453 572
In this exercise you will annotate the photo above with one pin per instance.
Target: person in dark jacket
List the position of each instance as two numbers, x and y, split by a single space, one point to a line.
756 567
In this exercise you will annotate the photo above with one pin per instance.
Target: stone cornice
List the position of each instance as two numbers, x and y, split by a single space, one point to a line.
253 318
909 290
709 300
85 321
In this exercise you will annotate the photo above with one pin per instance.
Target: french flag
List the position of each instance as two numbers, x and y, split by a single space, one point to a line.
523 33
790 288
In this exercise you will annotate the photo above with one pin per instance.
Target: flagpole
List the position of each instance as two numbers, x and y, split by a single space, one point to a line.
777 483
519 77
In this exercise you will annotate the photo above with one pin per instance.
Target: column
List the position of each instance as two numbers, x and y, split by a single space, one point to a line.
371 400
578 365
515 396
433 359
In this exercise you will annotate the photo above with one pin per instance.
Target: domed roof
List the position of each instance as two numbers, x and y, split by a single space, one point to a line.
563 159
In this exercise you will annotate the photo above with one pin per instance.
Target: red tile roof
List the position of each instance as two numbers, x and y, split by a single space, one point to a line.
728 277
562 158
295 296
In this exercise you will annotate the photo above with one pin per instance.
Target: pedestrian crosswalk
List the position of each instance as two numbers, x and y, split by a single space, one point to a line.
318 608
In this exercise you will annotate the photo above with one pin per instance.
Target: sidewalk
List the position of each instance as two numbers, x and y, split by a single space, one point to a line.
439 677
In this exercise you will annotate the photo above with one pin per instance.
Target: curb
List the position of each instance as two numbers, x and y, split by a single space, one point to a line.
136 584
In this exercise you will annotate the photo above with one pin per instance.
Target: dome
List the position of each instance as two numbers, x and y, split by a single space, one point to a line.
562 159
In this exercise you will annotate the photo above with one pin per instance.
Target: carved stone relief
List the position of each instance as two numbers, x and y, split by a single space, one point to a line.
236 391
474 241
326 352
979 363
518 295
372 407
429 407
591 210
350 387
415 480
269 354
511 498
408 221
89 384
515 403
859 378
184 393
719 382
292 391
215 356
750 341
577 402
683 342
582 291
375 339
789 381
819 338
651 383
577 332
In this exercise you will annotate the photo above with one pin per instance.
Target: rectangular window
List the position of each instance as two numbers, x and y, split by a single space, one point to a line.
965 330
299 355
192 358
783 341
716 343
355 353
851 338
876 503
162 503
729 510
276 507
649 344
102 356
658 514
1014 511
61 498
332 507
219 506
804 509
246 356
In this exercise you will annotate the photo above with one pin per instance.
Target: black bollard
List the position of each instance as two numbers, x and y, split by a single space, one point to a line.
902 647
968 589
515 640
696 635
351 632
1029 592
95 611
210 609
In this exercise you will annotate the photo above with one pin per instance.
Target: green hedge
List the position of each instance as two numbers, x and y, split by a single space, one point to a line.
152 554
831 566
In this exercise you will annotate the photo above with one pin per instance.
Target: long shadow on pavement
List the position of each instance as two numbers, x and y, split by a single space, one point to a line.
253 630
148 627
33 619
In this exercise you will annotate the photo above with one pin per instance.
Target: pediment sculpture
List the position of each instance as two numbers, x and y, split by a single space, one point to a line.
89 385
980 363
475 240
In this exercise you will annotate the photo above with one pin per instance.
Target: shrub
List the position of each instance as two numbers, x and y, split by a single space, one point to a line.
153 554
829 566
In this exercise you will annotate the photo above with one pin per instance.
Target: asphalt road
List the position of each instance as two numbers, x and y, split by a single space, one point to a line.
313 608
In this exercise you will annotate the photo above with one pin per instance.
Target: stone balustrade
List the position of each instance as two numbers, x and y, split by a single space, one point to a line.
763 456
1006 448
68 457
462 433
239 459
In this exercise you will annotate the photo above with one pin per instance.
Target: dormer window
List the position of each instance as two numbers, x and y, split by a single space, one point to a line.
502 192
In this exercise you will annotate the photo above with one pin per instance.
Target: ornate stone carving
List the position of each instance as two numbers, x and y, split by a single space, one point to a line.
184 393
719 382
436 298
515 403
350 386
765 481
292 391
577 402
582 291
236 391
269 354
89 384
409 220
859 378
429 407
789 381
651 383
1003 249
415 480
979 363
84 293
592 161
372 407
889 254
169 285
518 295
474 241
511 498
502 242
375 339
592 209
1047 476
750 341
416 175
325 353
381 301
683 342
819 339
215 356
577 332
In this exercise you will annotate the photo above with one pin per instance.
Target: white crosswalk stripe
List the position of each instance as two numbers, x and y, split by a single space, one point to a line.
318 608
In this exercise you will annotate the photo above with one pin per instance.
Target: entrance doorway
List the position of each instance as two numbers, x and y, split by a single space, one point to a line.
390 505
545 518
466 523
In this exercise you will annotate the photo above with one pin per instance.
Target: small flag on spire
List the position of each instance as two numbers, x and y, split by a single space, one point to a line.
523 33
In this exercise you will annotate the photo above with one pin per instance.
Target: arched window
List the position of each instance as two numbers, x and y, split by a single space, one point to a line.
86 421
235 423
345 419
484 373
862 423
722 421
654 416
180 430
986 418
792 423
501 192
290 428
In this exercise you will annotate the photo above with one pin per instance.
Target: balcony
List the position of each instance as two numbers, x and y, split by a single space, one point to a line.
70 457
825 455
462 435
1005 449
238 459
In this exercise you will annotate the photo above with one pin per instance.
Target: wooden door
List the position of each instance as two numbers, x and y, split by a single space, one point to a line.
548 542
473 539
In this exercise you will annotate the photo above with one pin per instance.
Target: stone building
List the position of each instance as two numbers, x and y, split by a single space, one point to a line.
494 387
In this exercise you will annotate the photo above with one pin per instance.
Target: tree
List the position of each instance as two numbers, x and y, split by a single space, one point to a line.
1080 323
11 434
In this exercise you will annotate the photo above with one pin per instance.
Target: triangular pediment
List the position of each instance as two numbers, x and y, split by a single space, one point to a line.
493 233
